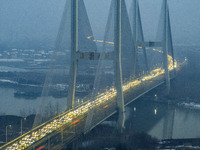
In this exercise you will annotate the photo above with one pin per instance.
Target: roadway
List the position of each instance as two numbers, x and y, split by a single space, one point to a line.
62 129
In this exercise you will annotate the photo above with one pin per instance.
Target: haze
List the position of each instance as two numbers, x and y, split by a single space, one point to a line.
38 20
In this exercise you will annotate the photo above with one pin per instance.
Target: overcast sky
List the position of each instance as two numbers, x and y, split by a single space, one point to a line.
39 19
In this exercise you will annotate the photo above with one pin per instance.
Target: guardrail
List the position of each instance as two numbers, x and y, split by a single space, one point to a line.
99 100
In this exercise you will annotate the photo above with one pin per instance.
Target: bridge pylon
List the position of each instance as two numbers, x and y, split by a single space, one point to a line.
117 64
74 50
81 39
165 42
125 54
165 46
137 30
77 55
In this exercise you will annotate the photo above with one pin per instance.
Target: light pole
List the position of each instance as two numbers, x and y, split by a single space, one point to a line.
156 97
21 124
7 132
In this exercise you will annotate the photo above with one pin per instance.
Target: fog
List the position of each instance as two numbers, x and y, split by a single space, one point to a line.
38 20
36 78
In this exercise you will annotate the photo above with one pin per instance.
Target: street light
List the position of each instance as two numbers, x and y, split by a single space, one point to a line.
156 97
155 111
7 132
21 124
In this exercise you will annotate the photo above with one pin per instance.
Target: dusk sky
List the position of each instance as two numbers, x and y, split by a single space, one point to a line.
39 19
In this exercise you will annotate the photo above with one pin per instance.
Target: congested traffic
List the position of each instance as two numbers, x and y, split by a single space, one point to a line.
68 118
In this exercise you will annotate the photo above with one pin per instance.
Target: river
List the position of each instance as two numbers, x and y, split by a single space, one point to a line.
10 105
151 117
143 114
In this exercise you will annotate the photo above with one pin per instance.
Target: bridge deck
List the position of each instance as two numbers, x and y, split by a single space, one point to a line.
64 128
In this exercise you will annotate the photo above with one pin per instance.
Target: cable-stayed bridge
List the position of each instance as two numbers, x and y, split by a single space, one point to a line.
133 67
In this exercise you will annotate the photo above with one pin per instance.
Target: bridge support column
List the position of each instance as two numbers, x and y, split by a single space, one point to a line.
135 35
138 30
49 143
170 40
139 27
169 123
61 136
118 69
74 50
165 47
75 144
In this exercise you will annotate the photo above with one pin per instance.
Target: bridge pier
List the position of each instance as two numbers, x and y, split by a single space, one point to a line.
62 136
75 144
169 123
117 63
49 143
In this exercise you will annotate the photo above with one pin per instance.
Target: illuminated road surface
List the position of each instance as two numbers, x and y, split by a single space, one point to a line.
35 135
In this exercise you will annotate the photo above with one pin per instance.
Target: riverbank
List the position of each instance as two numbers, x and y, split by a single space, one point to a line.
13 125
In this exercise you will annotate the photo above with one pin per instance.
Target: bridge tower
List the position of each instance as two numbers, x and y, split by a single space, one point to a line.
117 64
74 50
165 45
119 10
168 48
118 44
165 42
82 47
137 30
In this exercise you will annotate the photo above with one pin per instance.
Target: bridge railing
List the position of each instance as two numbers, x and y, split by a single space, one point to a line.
110 103
43 124
46 123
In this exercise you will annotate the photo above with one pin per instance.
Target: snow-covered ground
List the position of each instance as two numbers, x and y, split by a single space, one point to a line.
190 105
11 69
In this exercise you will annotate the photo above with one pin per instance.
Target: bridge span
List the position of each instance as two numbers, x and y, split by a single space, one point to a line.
59 131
